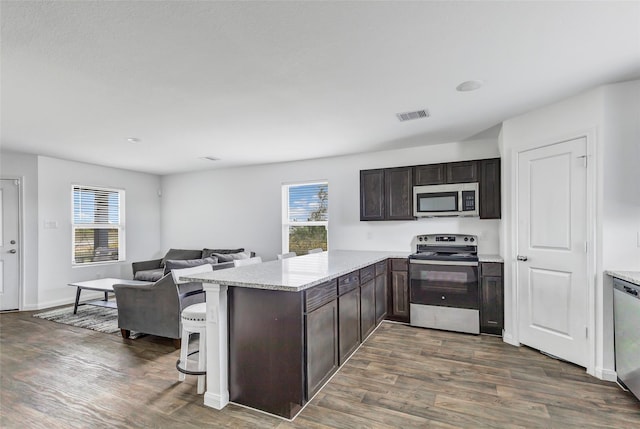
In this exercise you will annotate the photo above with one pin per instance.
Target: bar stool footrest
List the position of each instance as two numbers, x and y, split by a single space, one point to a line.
186 371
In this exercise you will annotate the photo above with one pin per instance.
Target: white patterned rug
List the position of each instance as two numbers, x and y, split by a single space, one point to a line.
99 319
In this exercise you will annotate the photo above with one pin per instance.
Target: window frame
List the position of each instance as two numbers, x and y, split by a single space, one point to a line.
120 226
286 224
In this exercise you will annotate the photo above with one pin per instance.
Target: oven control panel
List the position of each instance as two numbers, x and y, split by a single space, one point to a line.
449 239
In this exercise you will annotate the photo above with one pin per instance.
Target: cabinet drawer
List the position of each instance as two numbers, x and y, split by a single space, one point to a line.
399 264
491 269
367 274
348 282
319 295
381 267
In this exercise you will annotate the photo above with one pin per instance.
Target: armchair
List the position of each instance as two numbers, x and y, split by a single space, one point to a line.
156 308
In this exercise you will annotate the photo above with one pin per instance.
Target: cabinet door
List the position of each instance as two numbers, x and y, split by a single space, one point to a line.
399 193
462 172
381 297
432 174
399 306
322 346
491 302
372 195
349 323
490 189
367 308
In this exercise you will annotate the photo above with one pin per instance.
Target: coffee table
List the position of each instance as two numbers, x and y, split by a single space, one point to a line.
102 285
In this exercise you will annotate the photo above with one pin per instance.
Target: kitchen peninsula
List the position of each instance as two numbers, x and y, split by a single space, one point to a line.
277 331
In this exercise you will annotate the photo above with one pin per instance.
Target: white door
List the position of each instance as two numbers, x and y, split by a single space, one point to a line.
552 258
9 250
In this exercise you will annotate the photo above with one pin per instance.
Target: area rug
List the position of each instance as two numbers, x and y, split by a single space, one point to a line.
99 319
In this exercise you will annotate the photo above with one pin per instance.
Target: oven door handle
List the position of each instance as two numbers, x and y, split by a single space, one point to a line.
458 263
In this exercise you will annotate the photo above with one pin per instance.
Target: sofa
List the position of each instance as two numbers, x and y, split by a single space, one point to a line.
153 270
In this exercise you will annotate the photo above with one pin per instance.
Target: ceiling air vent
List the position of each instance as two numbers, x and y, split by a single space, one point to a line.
407 116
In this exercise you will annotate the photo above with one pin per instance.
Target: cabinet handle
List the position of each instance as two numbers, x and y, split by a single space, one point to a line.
522 258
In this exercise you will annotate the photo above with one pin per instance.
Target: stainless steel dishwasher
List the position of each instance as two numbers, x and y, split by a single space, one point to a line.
626 310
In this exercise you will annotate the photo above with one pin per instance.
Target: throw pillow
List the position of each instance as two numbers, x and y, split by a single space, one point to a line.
173 264
180 254
208 252
230 257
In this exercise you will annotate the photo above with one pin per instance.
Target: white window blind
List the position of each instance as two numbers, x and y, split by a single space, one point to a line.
305 222
98 227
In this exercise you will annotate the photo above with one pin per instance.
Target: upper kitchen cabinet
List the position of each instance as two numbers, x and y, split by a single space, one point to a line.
398 193
432 174
489 185
462 172
386 194
372 194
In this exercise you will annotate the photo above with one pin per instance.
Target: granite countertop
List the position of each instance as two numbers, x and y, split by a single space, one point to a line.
490 258
296 274
630 276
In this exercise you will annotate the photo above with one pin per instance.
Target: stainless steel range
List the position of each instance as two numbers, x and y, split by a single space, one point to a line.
443 275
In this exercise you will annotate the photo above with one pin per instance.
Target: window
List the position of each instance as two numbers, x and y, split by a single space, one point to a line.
305 222
98 225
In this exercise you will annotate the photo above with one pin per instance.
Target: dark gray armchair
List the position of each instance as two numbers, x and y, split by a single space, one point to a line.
156 308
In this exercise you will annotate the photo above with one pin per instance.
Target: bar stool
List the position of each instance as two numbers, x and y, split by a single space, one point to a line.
194 321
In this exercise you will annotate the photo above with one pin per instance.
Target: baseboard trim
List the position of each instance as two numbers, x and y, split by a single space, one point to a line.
508 338
85 296
606 374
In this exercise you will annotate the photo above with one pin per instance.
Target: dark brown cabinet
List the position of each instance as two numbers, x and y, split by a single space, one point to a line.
349 322
372 188
283 346
398 193
398 295
432 174
322 346
491 298
386 194
489 184
462 172
367 301
381 291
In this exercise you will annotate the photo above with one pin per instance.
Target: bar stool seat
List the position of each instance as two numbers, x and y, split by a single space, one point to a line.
194 319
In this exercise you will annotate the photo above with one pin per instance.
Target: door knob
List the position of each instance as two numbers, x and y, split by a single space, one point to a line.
522 258
12 251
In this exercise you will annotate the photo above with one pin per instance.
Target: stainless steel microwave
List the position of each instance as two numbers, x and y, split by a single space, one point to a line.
460 199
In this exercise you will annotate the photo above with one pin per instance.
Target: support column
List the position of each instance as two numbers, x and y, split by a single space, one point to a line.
217 394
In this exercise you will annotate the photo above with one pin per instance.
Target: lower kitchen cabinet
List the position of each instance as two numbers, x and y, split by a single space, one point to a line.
367 308
348 323
381 291
322 346
491 298
398 294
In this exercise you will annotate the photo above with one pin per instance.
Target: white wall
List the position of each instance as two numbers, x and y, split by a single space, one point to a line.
25 167
241 207
142 224
609 117
619 229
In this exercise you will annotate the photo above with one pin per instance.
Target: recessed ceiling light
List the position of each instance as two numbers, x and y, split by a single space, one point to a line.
469 85
133 140
210 158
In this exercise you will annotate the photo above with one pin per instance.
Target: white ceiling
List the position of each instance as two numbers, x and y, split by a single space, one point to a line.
261 82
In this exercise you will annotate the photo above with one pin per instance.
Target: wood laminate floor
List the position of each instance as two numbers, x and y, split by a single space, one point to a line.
58 376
